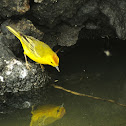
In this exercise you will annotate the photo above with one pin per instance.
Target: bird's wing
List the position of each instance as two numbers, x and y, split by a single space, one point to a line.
41 49
31 43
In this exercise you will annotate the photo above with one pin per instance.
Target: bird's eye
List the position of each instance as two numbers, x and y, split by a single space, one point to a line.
52 62
57 110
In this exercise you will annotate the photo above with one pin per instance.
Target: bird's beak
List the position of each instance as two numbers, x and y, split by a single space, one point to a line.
57 68
62 105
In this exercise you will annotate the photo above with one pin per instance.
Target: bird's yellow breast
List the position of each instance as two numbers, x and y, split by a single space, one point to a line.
46 114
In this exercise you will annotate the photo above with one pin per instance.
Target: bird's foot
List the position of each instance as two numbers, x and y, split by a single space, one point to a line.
43 68
28 66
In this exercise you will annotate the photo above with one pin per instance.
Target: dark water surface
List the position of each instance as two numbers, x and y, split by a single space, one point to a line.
86 69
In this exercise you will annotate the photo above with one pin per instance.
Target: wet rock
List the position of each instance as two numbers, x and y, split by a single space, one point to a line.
115 10
10 8
63 35
68 35
97 29
57 22
5 54
38 1
78 13
24 26
14 76
55 13
60 22
22 100
17 78
87 11
52 12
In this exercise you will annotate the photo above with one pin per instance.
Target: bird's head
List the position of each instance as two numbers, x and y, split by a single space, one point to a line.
54 61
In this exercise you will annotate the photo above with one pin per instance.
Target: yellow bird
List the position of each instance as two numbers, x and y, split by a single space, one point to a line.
46 114
36 50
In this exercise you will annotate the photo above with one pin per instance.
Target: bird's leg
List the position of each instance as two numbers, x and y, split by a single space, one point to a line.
26 63
58 50
43 68
43 122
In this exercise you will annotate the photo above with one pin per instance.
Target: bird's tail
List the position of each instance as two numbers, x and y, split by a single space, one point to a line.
17 34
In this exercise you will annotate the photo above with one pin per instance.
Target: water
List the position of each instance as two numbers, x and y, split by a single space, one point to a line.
85 70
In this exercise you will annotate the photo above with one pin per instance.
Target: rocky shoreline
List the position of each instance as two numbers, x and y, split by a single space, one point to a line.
56 22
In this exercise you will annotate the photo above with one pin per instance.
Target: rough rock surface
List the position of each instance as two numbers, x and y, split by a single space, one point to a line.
24 26
48 15
22 100
9 8
14 76
70 35
78 13
115 10
52 12
60 22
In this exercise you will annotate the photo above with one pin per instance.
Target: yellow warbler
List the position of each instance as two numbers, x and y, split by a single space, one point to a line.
46 114
36 50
